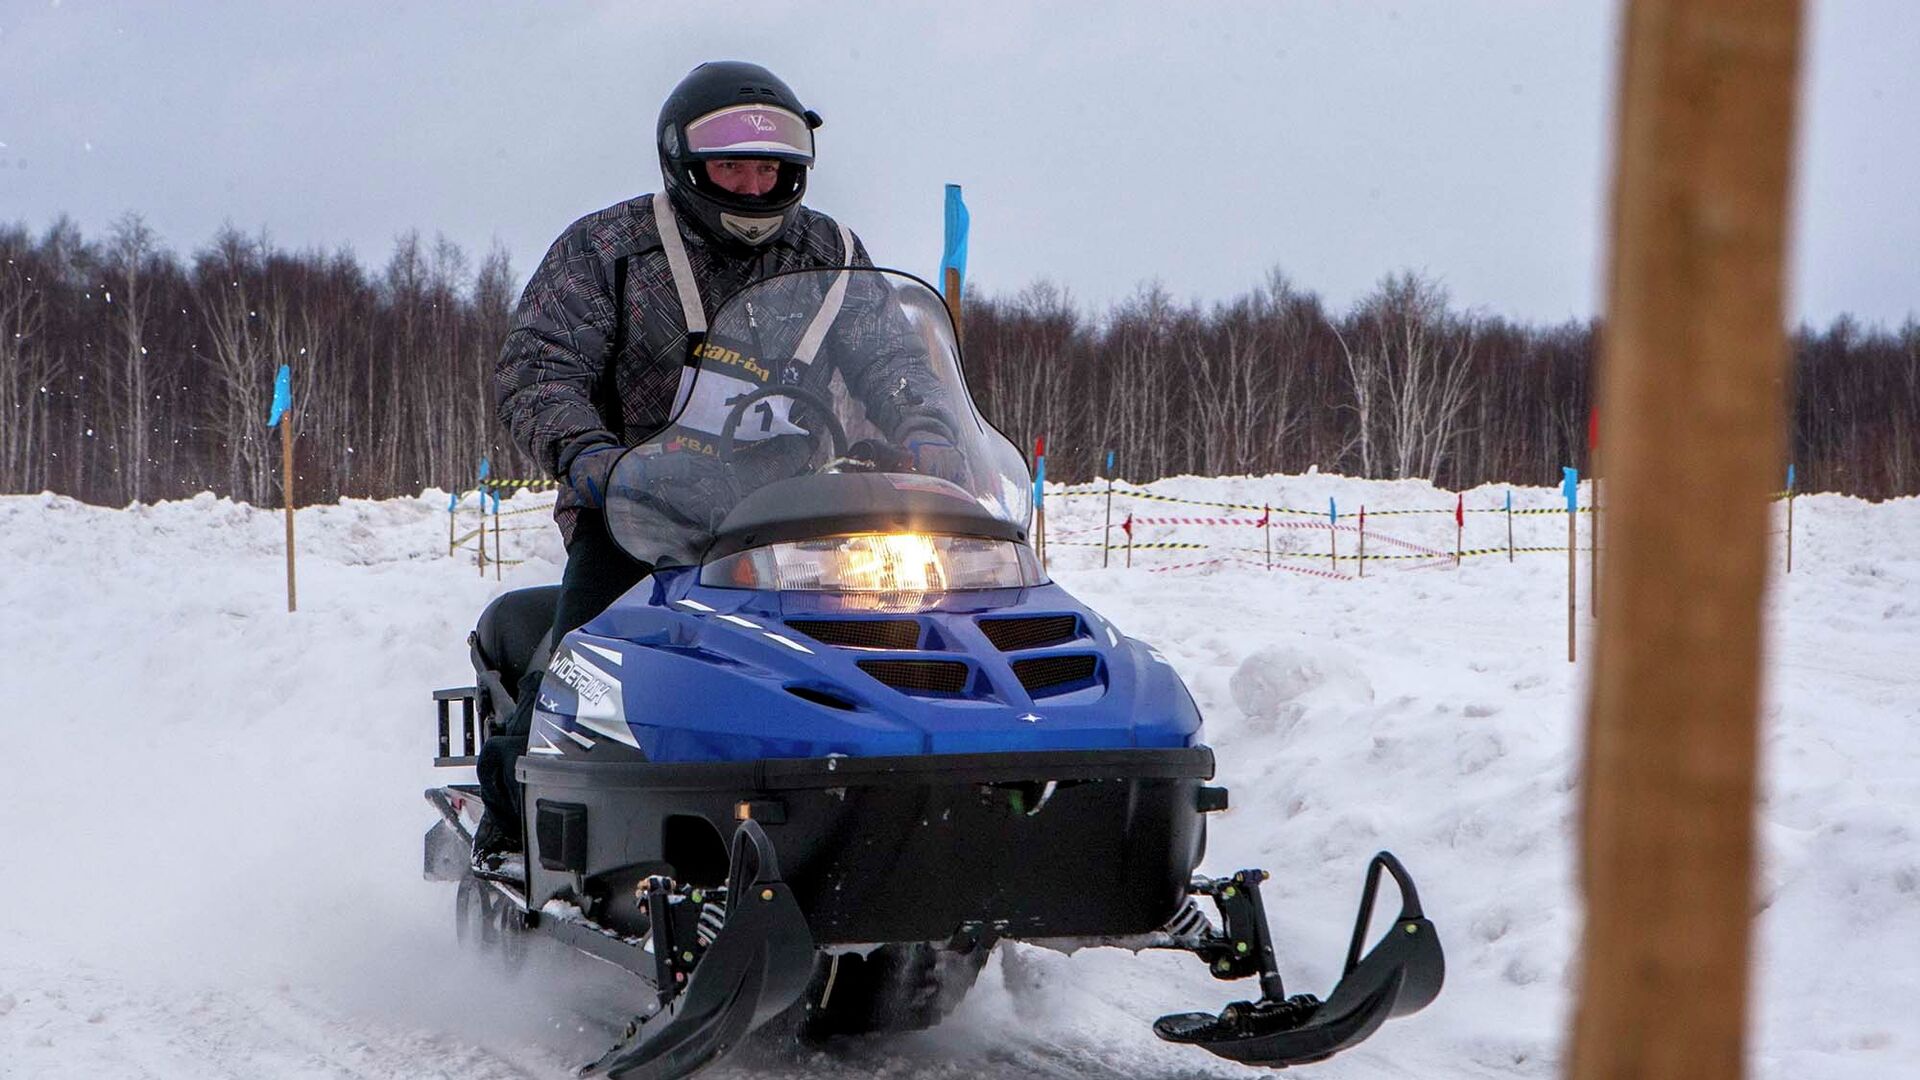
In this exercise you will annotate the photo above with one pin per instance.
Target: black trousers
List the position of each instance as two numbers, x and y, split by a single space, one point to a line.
598 573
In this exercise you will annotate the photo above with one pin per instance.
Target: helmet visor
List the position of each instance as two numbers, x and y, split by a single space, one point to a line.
751 130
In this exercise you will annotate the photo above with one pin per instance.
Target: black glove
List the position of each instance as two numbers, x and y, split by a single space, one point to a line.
590 471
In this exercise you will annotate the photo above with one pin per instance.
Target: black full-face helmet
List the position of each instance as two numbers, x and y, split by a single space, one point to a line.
729 109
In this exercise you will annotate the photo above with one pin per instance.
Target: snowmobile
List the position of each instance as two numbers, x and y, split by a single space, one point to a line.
849 735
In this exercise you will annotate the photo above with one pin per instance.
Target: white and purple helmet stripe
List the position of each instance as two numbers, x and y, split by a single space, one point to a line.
746 130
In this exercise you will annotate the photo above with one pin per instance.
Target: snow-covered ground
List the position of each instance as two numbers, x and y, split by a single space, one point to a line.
209 863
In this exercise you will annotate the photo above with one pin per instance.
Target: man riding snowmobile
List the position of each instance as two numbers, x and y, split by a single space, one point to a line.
621 306
848 736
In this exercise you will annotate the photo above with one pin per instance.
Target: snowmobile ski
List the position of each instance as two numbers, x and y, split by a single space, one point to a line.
758 965
1399 975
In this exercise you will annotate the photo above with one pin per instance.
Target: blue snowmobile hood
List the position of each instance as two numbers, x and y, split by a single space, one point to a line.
683 673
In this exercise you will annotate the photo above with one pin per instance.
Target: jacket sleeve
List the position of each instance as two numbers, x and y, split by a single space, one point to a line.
885 363
554 361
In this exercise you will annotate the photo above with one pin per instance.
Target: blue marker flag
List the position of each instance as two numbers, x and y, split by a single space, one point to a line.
453 502
1109 463
483 468
1789 478
1570 487
1039 482
954 255
282 394
1333 517
1509 500
496 500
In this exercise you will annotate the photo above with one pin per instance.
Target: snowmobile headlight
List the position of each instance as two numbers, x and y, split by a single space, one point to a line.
889 569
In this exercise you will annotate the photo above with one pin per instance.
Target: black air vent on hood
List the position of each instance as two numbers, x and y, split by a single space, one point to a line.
1044 675
919 676
1030 631
862 633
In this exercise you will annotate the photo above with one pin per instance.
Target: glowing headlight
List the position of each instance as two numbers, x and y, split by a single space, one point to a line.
894 569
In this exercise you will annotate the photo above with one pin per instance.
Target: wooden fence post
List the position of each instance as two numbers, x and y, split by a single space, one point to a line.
1509 525
1572 486
286 488
1695 359
1106 533
1266 530
951 285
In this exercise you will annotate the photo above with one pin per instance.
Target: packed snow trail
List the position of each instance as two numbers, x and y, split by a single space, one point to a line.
213 840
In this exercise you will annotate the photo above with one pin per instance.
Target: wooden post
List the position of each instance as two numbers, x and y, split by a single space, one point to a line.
1039 497
480 557
1789 530
1459 527
452 544
1040 531
1573 571
1509 526
1266 526
1106 534
951 285
1593 538
1333 535
286 492
497 551
1690 392
1363 539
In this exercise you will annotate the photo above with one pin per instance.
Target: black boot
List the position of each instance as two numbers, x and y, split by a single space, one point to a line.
497 843
497 852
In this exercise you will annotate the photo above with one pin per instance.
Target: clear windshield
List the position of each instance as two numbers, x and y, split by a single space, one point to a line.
816 371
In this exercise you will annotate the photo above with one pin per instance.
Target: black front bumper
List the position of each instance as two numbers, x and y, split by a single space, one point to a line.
1080 843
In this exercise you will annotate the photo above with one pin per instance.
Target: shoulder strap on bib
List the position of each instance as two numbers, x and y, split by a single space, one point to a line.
829 306
676 249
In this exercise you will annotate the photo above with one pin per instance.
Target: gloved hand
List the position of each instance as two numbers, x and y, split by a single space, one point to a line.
590 472
935 455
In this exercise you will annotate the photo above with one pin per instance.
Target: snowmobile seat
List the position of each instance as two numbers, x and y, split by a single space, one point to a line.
510 640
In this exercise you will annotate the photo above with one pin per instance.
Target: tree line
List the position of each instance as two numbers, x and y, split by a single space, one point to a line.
129 373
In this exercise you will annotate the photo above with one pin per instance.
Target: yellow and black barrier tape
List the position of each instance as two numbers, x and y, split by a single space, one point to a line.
1136 547
491 531
1152 496
1348 557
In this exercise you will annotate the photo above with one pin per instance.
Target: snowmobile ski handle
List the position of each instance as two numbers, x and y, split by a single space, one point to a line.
1409 903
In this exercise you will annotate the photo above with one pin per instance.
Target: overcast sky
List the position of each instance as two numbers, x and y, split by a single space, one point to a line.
1197 144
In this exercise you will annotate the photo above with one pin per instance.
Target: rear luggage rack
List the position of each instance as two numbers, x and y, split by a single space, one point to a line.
862 633
470 734
1031 631
920 676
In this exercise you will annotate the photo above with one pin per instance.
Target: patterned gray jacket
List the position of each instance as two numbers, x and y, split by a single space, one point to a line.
564 383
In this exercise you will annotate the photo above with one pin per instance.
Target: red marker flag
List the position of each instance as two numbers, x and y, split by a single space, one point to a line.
1460 510
1127 526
